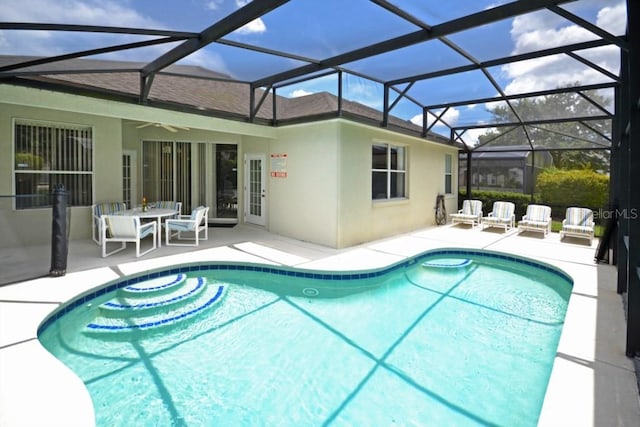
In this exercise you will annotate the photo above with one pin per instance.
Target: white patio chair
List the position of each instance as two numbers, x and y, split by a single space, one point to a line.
195 223
537 218
578 222
501 216
99 209
169 204
471 213
123 229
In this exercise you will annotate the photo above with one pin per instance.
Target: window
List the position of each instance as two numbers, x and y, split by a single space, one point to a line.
48 154
448 176
388 171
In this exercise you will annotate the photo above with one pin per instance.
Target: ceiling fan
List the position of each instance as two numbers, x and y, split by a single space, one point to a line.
170 128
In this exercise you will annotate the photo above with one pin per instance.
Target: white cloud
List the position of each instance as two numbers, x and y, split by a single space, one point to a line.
450 118
213 4
209 60
363 91
86 12
253 27
613 19
91 12
535 31
299 92
471 136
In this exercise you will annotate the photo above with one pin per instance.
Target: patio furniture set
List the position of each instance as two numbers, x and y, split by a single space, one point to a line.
112 222
578 221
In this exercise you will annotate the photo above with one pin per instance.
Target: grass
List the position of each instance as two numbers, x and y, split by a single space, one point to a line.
556 226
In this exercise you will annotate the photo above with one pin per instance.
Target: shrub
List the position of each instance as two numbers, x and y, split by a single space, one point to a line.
563 188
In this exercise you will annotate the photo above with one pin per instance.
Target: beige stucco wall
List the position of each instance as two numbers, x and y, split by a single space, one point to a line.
361 219
332 205
33 226
304 204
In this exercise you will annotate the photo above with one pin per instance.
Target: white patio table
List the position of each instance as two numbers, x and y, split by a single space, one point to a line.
157 213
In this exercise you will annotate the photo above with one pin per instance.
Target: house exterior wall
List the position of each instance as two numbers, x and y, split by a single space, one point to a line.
33 226
304 204
325 197
362 219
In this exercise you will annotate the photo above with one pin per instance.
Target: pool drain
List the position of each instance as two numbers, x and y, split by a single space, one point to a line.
310 292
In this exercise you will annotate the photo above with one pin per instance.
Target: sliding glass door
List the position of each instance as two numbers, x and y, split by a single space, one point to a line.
193 173
226 180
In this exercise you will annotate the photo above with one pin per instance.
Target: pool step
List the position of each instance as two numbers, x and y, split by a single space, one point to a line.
447 263
143 304
160 285
150 306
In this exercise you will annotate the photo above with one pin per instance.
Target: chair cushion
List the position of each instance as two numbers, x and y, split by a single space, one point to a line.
145 231
579 216
194 212
180 226
121 226
503 210
466 208
108 208
166 204
539 213
108 228
578 229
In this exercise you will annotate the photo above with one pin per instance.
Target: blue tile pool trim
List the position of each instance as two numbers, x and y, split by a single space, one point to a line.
134 288
284 271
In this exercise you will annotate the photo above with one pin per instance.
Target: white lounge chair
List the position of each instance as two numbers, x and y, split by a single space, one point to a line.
194 223
99 209
123 229
502 215
578 222
471 213
537 218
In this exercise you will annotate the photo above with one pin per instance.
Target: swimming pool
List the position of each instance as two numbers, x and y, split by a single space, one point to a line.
465 344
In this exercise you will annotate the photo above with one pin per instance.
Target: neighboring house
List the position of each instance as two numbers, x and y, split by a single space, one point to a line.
511 168
314 175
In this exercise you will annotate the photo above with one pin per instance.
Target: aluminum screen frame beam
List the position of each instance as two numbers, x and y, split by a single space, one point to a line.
251 11
441 30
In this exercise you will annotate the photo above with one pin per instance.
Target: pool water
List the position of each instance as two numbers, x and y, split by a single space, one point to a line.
418 345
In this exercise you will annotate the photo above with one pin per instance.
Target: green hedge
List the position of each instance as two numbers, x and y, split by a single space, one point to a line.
559 187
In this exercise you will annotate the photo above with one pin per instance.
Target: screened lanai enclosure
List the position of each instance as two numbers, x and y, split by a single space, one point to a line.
539 77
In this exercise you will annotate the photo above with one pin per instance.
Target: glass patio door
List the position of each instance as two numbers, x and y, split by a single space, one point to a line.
254 188
167 173
194 173
226 181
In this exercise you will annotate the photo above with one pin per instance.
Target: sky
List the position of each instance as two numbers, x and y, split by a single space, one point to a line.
313 29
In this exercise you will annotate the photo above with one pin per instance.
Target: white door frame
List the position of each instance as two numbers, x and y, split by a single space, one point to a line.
133 156
254 188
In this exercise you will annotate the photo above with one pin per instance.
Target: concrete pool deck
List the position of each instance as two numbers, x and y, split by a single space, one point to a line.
593 383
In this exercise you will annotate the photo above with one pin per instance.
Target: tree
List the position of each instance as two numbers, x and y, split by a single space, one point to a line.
586 135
